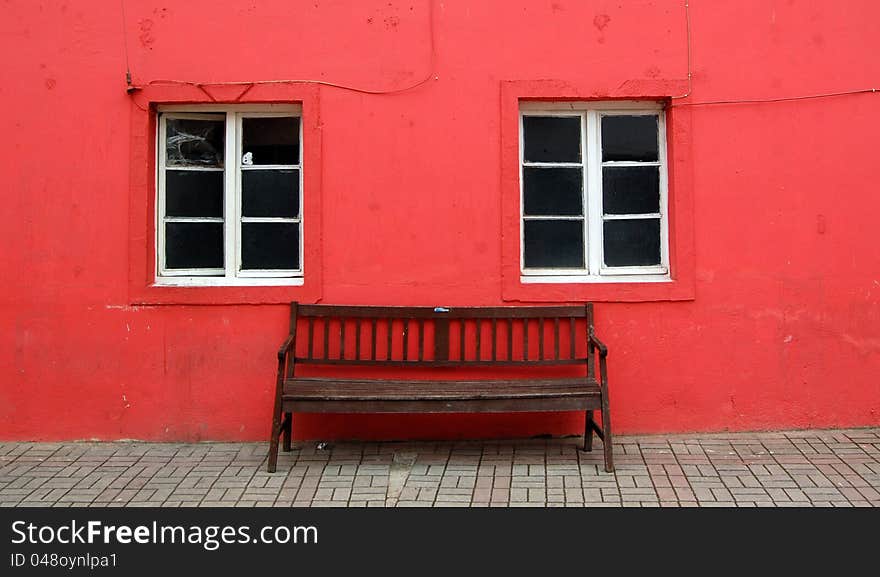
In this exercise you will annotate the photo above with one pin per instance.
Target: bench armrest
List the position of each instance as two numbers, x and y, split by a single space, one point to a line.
603 350
603 363
282 352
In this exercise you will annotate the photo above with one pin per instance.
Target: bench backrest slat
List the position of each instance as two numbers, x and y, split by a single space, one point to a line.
421 340
556 338
494 339
452 336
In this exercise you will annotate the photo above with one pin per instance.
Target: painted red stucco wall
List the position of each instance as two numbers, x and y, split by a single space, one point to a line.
774 322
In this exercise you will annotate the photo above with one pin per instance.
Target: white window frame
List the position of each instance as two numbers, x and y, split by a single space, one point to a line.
231 274
594 270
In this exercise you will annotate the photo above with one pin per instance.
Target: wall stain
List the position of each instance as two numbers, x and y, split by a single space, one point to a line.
146 36
601 21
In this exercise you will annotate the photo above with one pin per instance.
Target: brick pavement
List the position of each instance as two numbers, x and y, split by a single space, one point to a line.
818 468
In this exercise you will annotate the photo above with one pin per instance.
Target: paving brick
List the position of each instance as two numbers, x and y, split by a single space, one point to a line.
500 495
482 495
519 495
870 493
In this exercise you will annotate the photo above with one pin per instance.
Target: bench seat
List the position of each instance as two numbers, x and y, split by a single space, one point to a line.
394 390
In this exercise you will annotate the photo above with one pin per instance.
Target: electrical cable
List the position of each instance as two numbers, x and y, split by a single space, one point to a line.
745 100
125 47
780 99
431 75
252 83
687 18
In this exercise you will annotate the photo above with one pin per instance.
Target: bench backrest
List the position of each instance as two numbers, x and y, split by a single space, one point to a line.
439 337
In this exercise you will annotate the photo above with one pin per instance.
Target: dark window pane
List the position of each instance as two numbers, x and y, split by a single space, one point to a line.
193 245
551 139
194 142
554 243
552 191
270 140
632 242
630 189
629 138
269 245
270 193
193 193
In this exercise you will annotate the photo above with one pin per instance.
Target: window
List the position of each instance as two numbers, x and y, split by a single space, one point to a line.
593 193
229 205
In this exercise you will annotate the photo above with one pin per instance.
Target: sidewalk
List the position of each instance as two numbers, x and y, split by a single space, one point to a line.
838 468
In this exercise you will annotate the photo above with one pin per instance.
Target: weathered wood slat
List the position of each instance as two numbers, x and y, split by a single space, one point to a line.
556 338
509 339
541 338
336 311
530 404
461 342
388 354
494 339
405 338
342 338
441 339
351 389
479 337
435 364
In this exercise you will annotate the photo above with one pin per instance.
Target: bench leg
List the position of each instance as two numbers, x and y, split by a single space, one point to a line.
276 431
588 431
273 444
287 431
606 435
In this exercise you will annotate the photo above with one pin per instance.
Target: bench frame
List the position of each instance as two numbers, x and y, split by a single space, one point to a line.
571 393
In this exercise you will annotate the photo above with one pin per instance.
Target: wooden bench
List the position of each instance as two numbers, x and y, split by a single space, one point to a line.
337 359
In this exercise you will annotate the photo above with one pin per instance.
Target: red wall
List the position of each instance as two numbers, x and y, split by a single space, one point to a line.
780 327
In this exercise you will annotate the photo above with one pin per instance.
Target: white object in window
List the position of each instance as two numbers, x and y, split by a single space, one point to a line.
229 196
593 192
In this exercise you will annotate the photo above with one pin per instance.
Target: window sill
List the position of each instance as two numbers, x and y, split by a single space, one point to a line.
246 291
562 289
593 279
227 282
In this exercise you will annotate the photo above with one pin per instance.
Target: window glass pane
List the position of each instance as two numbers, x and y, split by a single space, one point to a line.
632 242
552 191
194 142
629 138
554 243
194 193
552 138
270 140
269 245
630 189
270 193
193 245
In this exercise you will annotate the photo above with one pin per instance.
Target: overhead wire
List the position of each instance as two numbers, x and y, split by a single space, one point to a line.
744 100
780 99
125 46
251 83
687 18
431 75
